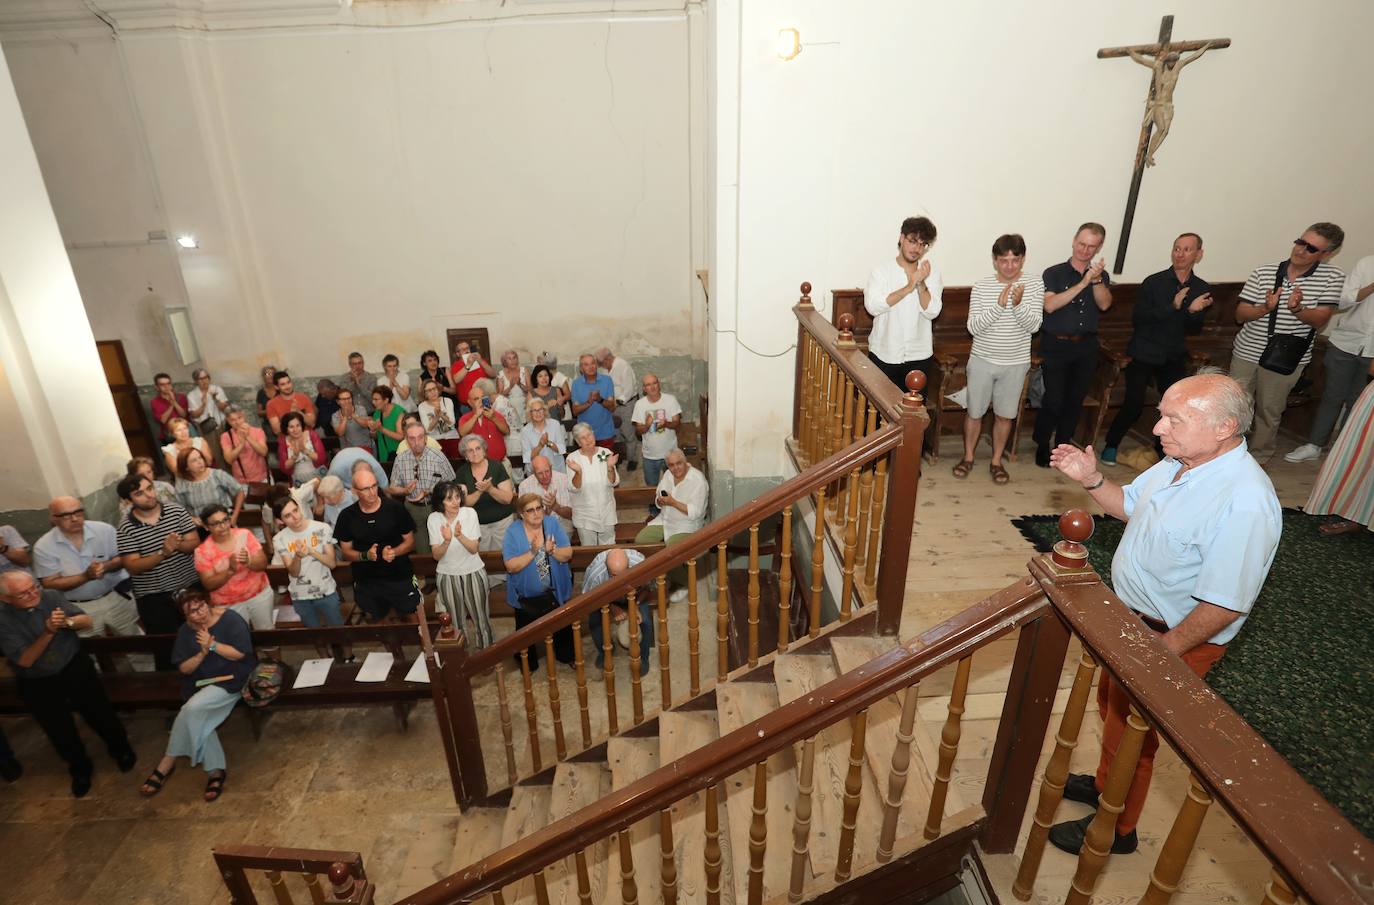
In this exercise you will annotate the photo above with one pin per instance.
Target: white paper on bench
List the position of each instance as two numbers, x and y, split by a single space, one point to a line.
313 673
376 667
284 613
418 671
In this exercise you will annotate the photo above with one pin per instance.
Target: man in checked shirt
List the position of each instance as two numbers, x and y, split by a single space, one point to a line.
418 467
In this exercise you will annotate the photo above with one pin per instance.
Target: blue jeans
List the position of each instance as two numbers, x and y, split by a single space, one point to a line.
653 473
320 611
646 631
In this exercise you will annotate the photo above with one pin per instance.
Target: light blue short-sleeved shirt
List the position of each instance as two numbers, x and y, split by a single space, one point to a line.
53 554
1209 536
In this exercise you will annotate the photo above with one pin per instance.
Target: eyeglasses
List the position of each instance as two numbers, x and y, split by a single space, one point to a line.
529 510
218 523
1309 246
70 513
195 608
364 488
30 591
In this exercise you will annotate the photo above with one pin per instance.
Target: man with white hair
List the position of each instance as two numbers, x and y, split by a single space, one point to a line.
681 498
208 408
80 558
626 395
329 499
553 486
1202 527
415 471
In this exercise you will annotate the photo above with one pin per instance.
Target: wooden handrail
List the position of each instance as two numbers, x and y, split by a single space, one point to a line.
874 383
879 443
1298 830
941 646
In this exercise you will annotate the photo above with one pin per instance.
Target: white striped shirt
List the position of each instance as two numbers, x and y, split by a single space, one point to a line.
1002 336
1321 286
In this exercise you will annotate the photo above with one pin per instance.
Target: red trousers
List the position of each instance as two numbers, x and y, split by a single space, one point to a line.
1114 705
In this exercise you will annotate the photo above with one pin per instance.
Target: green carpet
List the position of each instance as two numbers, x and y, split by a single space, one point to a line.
1301 671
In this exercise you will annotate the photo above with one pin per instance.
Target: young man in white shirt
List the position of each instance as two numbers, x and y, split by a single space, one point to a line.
904 296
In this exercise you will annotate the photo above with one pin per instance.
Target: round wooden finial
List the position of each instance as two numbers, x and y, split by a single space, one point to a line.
1076 526
446 630
846 322
846 338
805 301
341 879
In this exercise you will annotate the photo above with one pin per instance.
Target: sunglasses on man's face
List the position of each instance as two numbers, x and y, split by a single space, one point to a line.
1309 246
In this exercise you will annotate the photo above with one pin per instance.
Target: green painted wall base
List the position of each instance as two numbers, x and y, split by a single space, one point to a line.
101 506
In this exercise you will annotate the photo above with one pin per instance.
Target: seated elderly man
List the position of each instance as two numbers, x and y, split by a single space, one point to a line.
607 565
553 486
417 468
330 498
1202 527
38 635
81 559
682 496
14 550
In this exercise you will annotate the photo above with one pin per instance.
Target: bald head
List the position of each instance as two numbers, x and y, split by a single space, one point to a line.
617 561
542 469
1220 398
63 504
16 582
67 514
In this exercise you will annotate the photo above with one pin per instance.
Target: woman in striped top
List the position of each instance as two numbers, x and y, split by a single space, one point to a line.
1345 485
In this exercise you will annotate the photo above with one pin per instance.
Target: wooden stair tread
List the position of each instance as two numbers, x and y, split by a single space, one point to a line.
576 786
528 812
884 718
631 759
738 704
797 676
479 834
681 733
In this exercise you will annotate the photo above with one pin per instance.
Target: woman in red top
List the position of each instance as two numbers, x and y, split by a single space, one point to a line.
233 567
482 419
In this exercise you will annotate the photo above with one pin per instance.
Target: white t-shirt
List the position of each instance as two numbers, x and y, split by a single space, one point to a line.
456 560
658 439
901 332
410 403
314 581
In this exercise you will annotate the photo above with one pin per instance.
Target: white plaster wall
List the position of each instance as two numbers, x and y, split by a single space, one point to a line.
995 118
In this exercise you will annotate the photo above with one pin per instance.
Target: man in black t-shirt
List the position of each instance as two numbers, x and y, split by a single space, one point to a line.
376 536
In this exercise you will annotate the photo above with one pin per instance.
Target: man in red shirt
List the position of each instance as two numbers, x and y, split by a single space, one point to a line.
468 368
288 400
168 404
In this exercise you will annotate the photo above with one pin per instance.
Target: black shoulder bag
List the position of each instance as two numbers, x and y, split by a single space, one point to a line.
1283 351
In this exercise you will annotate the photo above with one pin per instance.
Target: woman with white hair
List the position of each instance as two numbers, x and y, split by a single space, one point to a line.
487 488
542 436
593 479
513 380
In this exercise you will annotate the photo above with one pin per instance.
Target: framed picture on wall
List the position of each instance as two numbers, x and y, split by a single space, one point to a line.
477 339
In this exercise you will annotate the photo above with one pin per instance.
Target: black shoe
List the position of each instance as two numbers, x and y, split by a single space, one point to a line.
11 769
1042 456
1081 787
1068 837
125 762
80 786
632 466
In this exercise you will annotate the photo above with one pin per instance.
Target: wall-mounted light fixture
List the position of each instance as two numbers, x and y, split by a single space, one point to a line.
188 242
789 43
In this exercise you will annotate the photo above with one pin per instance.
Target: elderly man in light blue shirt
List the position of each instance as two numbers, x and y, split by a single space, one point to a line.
1202 527
607 565
81 559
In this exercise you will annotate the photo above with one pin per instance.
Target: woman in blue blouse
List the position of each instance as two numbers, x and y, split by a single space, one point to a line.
539 579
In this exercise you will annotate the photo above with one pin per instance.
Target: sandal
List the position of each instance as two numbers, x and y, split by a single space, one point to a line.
1340 526
214 786
999 474
963 468
153 784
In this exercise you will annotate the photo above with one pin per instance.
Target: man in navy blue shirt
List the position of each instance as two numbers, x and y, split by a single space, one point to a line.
1076 292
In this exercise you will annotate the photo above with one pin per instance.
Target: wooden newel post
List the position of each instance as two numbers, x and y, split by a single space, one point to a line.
804 302
800 389
1069 554
902 480
451 650
846 337
438 691
344 887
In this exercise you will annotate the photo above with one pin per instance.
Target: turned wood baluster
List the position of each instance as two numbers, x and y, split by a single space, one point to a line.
665 850
865 500
949 747
758 833
801 825
584 879
896 777
851 543
629 892
875 524
560 743
498 897
279 890
636 686
817 567
665 680
846 435
711 853
722 614
580 665
808 354
827 409
608 668
1178 846
785 581
693 628
753 594
1056 772
836 438
507 730
853 785
541 889
819 419
1278 891
1097 842
312 884
530 717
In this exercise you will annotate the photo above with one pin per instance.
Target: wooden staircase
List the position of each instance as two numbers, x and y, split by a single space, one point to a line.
676 733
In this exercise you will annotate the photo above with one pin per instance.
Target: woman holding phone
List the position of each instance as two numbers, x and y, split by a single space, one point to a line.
487 423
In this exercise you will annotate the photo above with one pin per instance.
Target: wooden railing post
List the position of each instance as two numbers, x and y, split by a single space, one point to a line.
753 595
1178 846
785 580
711 853
531 717
462 716
903 478
949 749
693 629
817 568
722 613
438 691
799 381
1097 842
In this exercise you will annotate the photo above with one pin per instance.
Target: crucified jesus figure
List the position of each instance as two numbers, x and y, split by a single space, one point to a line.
1166 67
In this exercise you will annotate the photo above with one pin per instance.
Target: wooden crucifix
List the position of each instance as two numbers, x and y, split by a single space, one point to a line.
1165 61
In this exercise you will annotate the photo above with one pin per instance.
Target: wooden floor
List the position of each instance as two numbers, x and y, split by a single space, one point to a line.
964 548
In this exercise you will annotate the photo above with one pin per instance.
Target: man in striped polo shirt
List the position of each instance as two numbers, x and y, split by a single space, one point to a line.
1295 297
1004 312
156 541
